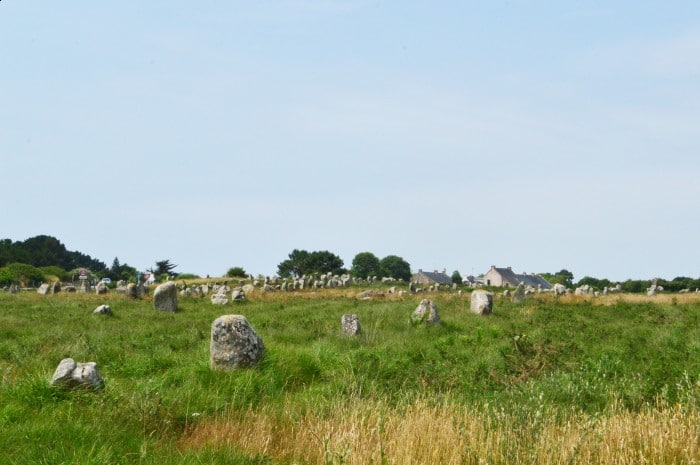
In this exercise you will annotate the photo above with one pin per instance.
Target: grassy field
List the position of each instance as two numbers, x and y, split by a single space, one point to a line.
573 381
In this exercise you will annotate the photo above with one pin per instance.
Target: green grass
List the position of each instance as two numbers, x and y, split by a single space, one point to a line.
565 357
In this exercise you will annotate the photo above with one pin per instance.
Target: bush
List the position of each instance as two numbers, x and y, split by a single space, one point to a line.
23 274
188 276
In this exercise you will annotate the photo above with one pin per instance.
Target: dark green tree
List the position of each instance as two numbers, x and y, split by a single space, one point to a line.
564 277
365 264
395 267
163 267
301 262
456 277
236 272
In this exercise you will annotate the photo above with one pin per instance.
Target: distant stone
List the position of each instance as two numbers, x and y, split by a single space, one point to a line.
481 302
237 295
219 299
101 288
14 288
72 375
165 297
43 289
518 294
132 290
56 287
559 289
426 312
248 288
350 325
234 343
103 310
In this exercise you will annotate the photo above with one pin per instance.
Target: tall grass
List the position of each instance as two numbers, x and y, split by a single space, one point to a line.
551 381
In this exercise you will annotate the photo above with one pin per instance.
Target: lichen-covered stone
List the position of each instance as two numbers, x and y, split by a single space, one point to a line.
426 312
351 325
165 297
234 343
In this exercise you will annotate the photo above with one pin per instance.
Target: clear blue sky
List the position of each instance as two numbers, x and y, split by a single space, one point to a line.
535 134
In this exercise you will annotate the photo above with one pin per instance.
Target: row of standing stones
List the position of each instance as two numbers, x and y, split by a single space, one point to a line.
234 344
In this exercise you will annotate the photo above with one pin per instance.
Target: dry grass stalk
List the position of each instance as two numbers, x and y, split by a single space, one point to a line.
424 434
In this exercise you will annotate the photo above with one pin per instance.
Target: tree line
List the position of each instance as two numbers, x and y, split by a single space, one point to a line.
365 264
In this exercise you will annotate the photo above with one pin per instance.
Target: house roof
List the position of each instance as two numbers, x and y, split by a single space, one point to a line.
441 278
532 280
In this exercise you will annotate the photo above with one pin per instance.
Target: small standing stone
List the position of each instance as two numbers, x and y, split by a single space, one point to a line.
351 325
426 312
481 302
72 375
234 343
165 297
518 294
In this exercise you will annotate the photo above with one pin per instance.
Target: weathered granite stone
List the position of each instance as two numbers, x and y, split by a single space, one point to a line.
426 312
132 290
43 289
481 302
165 297
14 288
56 287
72 375
234 343
237 295
103 310
350 325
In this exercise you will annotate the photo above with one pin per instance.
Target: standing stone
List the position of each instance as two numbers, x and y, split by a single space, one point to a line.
234 343
238 295
72 375
132 290
559 289
56 287
518 294
351 325
481 302
101 288
103 310
426 312
165 297
14 288
43 289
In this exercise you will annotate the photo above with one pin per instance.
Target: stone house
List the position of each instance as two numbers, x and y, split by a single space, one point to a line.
506 277
427 278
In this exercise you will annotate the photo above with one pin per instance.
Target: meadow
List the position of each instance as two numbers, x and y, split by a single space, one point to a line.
573 380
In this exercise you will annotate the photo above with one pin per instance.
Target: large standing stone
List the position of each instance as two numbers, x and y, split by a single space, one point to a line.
44 289
426 312
559 289
56 287
165 297
351 325
234 343
481 302
71 375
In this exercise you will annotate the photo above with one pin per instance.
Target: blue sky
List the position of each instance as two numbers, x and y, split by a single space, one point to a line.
532 134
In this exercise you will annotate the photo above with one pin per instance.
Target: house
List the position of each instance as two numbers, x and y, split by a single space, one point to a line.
428 278
506 277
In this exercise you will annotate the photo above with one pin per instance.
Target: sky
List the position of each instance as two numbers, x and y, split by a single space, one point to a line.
541 135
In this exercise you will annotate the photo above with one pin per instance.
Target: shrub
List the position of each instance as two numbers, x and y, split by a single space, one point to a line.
236 272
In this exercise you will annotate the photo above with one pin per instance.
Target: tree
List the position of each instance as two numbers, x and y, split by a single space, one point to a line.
301 262
395 267
236 272
595 283
163 267
456 277
365 264
564 277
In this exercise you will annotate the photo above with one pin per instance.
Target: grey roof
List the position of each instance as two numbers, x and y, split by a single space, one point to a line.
532 280
441 278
